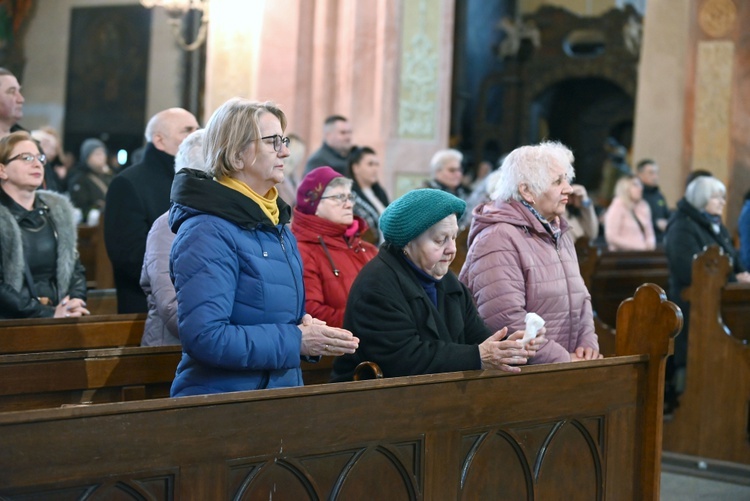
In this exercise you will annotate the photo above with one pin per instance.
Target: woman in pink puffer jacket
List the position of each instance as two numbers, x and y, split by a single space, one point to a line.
521 261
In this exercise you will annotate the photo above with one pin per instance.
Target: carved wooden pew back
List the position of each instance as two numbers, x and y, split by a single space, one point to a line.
611 277
587 430
713 419
57 334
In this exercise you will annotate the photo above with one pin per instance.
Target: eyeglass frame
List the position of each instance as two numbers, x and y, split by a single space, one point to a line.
282 140
351 197
41 157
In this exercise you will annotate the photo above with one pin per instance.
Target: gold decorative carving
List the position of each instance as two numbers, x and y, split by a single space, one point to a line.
713 93
717 17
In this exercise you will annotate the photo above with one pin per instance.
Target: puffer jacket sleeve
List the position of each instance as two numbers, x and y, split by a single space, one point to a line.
156 270
495 276
205 266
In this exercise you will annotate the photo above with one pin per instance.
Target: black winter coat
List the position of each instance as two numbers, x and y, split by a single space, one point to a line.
400 329
688 233
42 240
136 197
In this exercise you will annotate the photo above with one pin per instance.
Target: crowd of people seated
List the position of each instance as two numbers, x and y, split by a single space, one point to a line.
252 266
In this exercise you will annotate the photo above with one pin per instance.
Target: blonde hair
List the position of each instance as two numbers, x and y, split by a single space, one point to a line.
623 185
231 129
10 141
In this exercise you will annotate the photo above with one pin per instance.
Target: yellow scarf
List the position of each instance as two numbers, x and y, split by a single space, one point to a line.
267 202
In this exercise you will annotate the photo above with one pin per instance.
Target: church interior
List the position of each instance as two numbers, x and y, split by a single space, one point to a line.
614 80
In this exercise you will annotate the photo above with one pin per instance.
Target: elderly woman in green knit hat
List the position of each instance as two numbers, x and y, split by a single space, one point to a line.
408 309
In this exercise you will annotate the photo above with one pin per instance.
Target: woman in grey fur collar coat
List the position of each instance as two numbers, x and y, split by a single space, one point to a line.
40 272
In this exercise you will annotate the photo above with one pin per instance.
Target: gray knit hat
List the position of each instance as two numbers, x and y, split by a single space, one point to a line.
412 214
88 147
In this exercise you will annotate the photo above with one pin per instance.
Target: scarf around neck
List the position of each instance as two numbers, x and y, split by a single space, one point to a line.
552 227
267 202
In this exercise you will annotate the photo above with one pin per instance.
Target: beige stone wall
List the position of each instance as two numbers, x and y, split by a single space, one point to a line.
693 110
46 47
385 64
660 102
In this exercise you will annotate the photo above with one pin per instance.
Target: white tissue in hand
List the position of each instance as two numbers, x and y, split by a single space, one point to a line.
533 324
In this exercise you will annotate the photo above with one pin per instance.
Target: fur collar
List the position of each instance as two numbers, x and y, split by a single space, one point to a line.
11 244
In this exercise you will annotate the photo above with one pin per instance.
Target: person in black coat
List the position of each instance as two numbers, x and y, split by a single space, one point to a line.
90 179
364 169
410 312
337 144
41 275
648 172
138 196
695 225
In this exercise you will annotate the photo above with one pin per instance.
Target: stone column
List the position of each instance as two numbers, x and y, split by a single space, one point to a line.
384 64
693 108
660 102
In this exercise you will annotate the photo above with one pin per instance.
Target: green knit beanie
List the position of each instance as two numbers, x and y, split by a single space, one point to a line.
412 214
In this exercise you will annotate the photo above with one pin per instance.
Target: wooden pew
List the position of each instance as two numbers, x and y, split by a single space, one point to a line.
94 256
102 301
87 243
611 277
713 419
82 377
588 259
466 435
618 274
462 248
57 334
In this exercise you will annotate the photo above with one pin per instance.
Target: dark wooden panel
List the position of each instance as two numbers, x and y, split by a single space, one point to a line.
347 441
451 436
713 419
54 334
107 75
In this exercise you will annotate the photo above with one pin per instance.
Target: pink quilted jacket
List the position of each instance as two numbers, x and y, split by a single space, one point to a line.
513 267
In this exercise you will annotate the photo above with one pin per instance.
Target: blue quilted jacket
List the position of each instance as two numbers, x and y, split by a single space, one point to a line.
240 294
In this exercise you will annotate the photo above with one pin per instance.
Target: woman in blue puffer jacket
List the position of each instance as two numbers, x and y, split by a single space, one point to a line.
235 264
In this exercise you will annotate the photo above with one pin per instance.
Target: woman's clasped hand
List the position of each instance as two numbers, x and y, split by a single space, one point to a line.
319 339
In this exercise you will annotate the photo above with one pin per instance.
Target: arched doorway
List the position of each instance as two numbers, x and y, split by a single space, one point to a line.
583 113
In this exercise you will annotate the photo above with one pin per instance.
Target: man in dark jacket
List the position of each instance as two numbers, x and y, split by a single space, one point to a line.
11 103
648 172
138 196
337 143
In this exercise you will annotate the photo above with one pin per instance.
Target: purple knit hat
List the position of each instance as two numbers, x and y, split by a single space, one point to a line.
312 187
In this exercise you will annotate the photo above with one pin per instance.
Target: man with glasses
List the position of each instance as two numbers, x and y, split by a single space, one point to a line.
138 196
337 144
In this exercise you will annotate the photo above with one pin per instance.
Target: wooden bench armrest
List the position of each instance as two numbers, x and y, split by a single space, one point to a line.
360 372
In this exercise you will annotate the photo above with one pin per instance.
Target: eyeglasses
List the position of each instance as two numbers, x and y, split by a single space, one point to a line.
28 158
342 198
278 141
